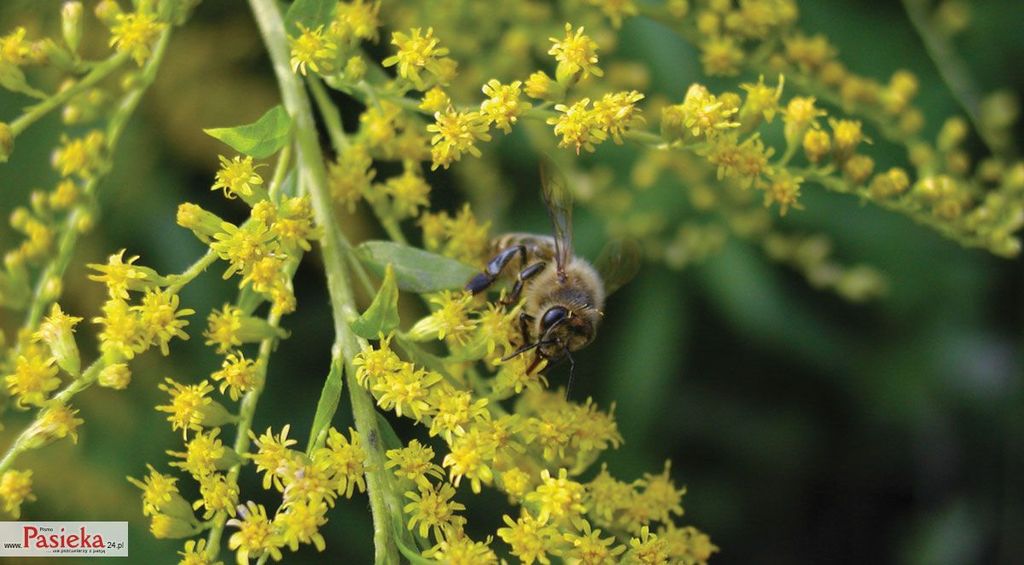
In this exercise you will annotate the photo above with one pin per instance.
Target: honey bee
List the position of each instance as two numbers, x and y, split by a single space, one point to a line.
563 294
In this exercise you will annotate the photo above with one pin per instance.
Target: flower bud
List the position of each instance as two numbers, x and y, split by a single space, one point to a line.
107 12
71 24
164 526
117 376
215 415
204 224
57 331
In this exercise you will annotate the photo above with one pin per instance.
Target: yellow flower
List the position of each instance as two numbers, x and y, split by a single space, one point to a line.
56 331
408 192
762 100
219 494
346 459
661 496
783 189
158 492
373 364
578 125
647 548
701 114
606 496
312 49
451 319
300 523
121 276
721 56
616 113
350 176
435 100
134 34
256 535
408 390
13 47
414 463
468 239
204 454
306 480
817 144
456 409
502 107
589 548
461 550
238 375
358 19
575 53
190 407
223 329
294 226
16 488
531 539
56 422
687 544
237 176
557 497
272 454
116 376
847 135
242 246
471 457
433 508
34 377
195 554
159 318
416 53
540 85
455 133
616 10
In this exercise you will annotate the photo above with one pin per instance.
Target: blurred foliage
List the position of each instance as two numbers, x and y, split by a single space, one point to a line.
807 429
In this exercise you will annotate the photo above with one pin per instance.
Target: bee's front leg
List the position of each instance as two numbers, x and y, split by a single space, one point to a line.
524 326
492 271
524 275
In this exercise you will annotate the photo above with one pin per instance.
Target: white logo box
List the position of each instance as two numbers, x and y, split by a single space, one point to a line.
63 539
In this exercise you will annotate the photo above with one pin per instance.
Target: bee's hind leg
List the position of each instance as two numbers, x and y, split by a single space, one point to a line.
492 271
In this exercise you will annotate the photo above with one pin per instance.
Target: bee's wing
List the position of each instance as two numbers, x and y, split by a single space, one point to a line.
618 263
558 200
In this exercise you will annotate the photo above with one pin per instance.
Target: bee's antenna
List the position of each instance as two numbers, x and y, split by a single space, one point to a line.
572 371
521 350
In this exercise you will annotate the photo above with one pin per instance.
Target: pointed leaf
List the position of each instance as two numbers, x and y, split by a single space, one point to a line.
330 396
310 13
415 270
382 315
260 139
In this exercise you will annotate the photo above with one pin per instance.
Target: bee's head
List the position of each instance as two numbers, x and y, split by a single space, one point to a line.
563 330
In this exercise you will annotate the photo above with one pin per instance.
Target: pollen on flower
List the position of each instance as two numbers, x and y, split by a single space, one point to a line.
120 276
189 404
434 509
160 318
414 462
456 133
409 192
158 490
223 327
578 125
56 422
575 53
557 497
417 52
617 112
406 390
349 177
359 19
34 377
503 106
218 494
373 364
272 453
256 535
237 176
451 320
312 50
346 459
530 538
204 454
134 34
470 458
237 375
300 524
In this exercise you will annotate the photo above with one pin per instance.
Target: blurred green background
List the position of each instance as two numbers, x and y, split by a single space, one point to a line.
806 429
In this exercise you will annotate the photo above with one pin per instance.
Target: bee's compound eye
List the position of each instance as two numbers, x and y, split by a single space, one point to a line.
554 315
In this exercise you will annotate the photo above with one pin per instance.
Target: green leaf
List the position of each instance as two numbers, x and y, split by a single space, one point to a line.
382 315
415 270
310 13
260 139
330 396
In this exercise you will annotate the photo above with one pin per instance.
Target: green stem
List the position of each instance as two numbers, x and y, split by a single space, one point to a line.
951 67
69 230
246 414
38 111
384 504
